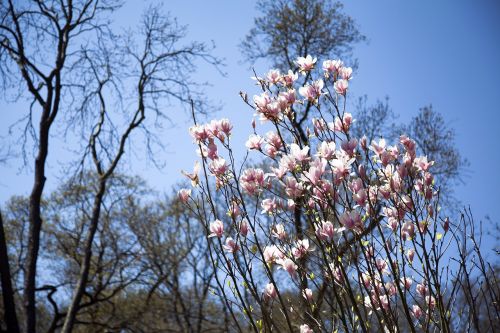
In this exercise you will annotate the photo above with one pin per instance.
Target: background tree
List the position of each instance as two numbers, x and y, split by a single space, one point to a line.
289 29
436 138
149 269
104 85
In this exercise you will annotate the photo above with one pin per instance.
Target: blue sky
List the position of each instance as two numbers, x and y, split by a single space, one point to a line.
444 53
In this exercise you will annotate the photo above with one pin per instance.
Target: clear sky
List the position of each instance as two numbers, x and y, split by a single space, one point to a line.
443 52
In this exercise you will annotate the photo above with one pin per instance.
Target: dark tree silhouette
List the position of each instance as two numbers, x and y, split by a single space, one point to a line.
62 57
289 29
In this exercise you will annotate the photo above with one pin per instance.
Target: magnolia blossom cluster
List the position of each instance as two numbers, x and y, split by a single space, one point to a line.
320 192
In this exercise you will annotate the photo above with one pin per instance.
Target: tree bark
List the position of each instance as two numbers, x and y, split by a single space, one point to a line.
35 221
10 315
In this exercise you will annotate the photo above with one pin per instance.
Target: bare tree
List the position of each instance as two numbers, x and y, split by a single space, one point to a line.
149 269
289 29
28 32
88 72
436 138
374 120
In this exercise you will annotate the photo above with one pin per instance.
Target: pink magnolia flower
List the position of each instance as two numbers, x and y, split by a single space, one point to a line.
315 172
319 125
430 301
306 63
218 167
273 76
279 232
326 231
274 139
346 73
282 170
254 142
211 151
234 209
341 87
307 294
382 266
262 101
358 192
184 194
392 223
376 301
422 289
231 245
298 154
369 252
288 265
287 163
311 92
216 229
305 329
343 124
270 292
408 230
379 147
389 288
422 163
272 253
193 176
332 66
410 254
366 280
389 155
351 220
406 283
301 248
326 150
225 126
252 180
272 112
287 98
341 167
446 224
349 147
293 188
271 151
289 78
244 228
416 311
363 142
336 271
269 206
422 226
214 130
199 133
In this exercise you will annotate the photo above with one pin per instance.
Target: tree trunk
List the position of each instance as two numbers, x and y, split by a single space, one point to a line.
10 316
35 221
85 268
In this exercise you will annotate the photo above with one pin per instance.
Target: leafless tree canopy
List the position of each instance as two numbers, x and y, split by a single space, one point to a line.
289 29
63 57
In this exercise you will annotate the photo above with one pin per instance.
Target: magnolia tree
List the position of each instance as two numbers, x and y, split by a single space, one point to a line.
332 233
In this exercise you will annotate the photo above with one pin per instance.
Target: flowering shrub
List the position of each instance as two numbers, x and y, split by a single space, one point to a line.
331 233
